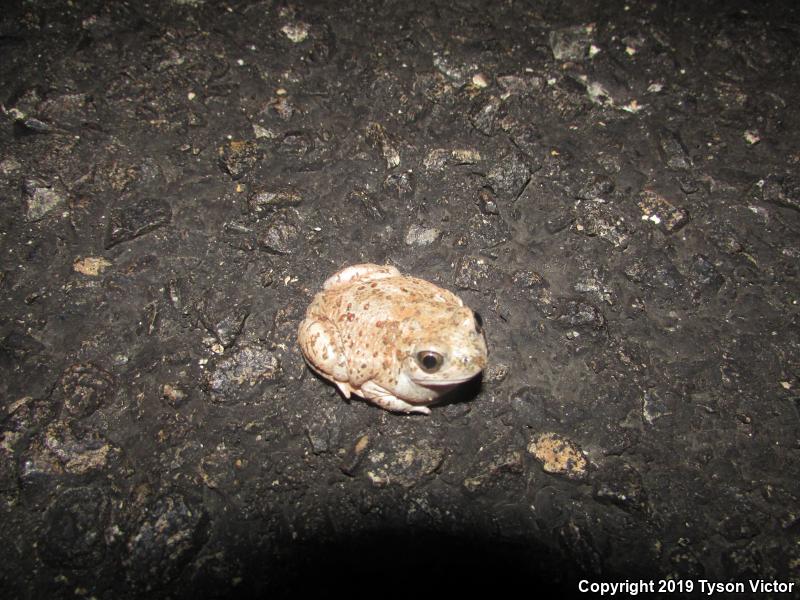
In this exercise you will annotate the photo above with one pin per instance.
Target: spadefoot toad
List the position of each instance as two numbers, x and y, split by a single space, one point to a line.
397 341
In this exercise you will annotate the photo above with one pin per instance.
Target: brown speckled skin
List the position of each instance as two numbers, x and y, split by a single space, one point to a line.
365 328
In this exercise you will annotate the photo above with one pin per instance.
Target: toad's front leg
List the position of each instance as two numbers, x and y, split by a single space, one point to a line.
383 398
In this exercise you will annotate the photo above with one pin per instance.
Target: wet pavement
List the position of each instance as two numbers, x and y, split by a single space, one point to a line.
614 187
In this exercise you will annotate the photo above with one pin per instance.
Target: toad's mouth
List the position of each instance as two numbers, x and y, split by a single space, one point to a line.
443 384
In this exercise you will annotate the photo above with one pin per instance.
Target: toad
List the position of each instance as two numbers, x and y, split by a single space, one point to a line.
397 341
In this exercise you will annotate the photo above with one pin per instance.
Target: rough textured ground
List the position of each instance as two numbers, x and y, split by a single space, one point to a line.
614 187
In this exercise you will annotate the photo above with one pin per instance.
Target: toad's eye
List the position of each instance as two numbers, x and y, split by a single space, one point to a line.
429 361
478 322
